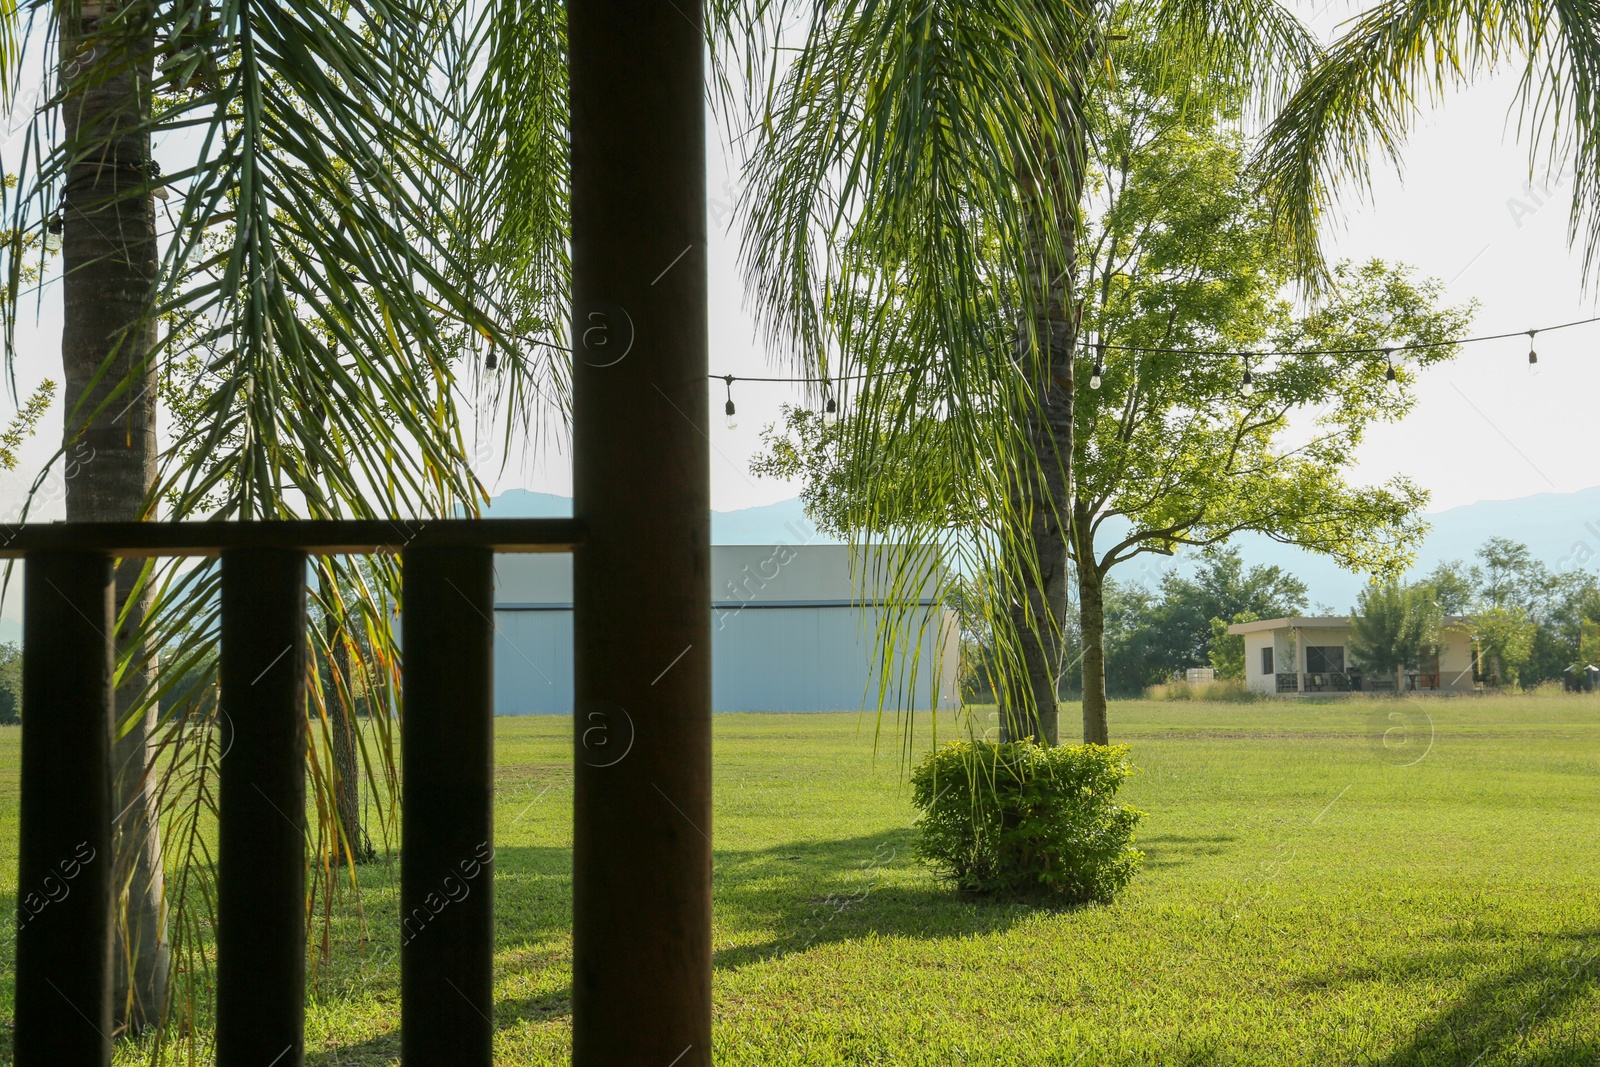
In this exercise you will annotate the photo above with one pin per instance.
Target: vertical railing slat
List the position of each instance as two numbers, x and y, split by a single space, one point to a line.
63 961
262 832
447 845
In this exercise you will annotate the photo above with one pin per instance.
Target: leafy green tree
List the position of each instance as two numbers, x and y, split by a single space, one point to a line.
1454 587
1505 636
1175 452
1507 576
1130 665
1177 447
1171 447
1533 617
1227 650
1394 628
1176 633
1588 642
1558 626
913 228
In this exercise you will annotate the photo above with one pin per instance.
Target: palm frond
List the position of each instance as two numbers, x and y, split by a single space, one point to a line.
1363 96
1258 45
337 262
515 108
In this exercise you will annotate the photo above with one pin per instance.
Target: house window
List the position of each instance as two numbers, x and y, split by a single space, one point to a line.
1325 659
1266 660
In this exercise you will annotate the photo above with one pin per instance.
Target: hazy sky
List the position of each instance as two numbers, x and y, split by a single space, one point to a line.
1484 428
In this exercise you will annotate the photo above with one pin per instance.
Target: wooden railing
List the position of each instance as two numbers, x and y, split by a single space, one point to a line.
64 887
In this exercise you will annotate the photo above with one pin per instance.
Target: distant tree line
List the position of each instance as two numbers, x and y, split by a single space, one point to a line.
1530 623
1150 634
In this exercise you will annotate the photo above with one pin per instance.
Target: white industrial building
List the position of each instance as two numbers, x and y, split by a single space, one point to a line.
789 632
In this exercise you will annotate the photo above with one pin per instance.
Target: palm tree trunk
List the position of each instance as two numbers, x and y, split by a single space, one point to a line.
1039 605
1037 613
110 264
342 723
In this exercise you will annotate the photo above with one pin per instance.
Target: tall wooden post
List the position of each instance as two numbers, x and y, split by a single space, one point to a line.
641 580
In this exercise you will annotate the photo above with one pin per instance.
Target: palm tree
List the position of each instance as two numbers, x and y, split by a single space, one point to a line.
916 185
1368 86
110 255
310 306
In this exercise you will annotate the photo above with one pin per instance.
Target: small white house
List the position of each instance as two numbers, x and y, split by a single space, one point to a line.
788 633
1311 655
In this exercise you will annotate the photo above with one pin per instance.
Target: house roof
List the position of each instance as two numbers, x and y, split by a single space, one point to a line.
1307 622
1322 622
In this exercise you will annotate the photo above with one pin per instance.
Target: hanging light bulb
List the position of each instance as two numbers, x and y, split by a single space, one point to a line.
491 361
1248 386
1099 362
728 409
52 234
1533 357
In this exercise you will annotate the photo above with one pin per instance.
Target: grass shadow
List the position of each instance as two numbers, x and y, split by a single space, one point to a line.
811 893
1176 850
1535 1011
382 1049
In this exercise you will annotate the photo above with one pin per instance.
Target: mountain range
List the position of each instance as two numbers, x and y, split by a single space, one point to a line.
1560 529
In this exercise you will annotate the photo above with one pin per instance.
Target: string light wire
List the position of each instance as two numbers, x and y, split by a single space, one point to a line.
1373 351
1247 355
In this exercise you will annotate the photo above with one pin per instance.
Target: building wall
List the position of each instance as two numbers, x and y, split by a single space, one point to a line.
740 574
787 635
533 662
1254 678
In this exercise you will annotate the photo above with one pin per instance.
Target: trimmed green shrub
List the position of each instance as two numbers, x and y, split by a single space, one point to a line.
1022 818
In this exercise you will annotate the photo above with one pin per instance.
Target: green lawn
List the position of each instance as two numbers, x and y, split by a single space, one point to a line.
1311 895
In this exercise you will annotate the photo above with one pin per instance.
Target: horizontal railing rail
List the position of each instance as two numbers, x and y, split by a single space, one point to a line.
315 537
64 938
